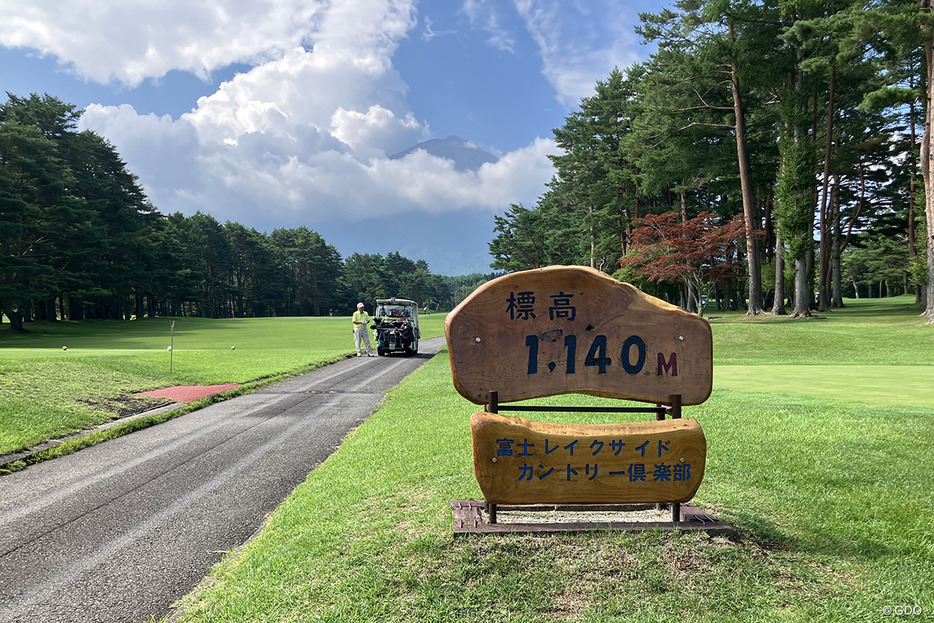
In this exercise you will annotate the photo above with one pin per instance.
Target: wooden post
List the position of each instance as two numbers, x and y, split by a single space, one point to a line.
492 407
676 415
659 417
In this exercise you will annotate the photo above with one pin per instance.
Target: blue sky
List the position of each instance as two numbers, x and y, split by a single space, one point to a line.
281 113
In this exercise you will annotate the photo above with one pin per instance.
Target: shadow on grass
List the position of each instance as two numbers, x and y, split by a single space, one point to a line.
756 528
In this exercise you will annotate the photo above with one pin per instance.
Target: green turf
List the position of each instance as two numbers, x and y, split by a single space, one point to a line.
867 331
882 385
877 351
818 437
49 392
819 434
830 502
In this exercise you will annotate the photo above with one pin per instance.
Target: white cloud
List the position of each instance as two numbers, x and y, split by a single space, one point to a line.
302 137
131 41
580 43
483 14
376 130
267 180
307 177
162 152
433 184
429 32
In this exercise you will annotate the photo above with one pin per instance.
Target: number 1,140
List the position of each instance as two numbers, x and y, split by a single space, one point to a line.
631 354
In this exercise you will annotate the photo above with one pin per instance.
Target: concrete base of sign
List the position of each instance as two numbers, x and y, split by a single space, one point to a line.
470 516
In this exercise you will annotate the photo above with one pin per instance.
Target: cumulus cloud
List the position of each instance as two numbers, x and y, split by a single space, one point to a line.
131 41
301 90
376 129
435 186
303 135
308 177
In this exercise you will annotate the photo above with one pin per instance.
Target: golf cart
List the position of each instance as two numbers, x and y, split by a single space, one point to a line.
396 326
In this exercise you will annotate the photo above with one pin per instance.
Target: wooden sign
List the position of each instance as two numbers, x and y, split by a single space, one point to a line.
518 461
571 329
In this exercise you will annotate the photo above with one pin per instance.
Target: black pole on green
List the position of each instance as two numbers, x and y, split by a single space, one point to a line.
171 344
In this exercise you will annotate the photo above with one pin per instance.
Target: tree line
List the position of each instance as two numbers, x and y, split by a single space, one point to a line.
80 239
801 131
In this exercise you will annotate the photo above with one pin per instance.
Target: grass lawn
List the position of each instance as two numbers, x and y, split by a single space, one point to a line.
48 392
818 455
876 351
819 436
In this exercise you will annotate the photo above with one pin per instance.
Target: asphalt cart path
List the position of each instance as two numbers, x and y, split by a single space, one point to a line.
120 531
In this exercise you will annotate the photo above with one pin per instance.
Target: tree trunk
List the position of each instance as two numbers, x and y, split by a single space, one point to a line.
926 154
823 287
42 311
912 247
802 307
778 305
753 265
15 316
593 240
836 269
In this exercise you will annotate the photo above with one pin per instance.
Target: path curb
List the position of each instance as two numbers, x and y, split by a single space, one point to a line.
23 455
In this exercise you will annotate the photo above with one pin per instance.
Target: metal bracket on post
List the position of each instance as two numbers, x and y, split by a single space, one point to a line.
675 406
492 406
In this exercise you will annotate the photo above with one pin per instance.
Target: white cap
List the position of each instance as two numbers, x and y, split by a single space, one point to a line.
359 304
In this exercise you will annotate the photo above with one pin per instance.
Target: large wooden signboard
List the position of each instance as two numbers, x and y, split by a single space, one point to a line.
568 329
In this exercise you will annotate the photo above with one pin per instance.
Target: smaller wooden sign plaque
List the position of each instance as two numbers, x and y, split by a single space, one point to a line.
518 461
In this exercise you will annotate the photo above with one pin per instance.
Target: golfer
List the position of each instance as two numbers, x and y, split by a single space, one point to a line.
360 321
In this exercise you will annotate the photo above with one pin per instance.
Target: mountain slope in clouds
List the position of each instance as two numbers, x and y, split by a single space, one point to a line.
465 155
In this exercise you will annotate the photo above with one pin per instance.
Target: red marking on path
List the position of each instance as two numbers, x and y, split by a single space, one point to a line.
189 393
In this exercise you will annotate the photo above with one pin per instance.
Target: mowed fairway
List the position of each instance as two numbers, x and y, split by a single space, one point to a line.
827 487
876 351
49 391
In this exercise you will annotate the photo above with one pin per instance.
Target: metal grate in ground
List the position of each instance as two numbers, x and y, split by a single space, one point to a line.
470 516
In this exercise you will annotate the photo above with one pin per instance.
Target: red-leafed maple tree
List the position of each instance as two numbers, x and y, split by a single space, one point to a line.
699 252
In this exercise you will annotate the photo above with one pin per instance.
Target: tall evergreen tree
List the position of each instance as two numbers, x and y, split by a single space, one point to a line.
724 49
595 174
42 223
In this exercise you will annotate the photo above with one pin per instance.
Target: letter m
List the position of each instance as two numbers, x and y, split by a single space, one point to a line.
670 366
